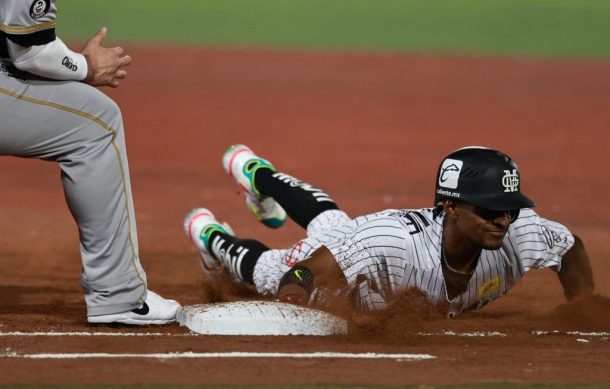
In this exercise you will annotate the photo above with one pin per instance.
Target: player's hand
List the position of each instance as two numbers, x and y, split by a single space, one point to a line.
296 286
105 64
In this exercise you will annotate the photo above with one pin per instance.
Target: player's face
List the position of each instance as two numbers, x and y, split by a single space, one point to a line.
485 227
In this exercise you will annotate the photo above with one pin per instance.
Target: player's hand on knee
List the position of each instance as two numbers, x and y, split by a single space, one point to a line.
105 65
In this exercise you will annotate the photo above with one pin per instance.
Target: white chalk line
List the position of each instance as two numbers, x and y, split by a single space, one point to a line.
53 333
192 355
570 333
168 334
462 334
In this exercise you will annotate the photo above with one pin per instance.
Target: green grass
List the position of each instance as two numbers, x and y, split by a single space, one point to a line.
566 28
471 386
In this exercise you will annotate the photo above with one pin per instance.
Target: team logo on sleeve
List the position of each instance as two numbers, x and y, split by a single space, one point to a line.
69 63
554 238
293 255
39 8
450 173
548 236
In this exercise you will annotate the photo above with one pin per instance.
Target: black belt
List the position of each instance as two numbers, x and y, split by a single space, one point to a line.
3 45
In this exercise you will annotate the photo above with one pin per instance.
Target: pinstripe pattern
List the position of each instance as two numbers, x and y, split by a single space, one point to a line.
388 252
400 249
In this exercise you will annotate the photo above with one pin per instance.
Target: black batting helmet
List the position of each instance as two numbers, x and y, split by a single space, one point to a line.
483 177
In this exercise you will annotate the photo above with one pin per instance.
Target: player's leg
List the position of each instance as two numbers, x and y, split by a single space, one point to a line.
247 260
269 191
219 247
80 128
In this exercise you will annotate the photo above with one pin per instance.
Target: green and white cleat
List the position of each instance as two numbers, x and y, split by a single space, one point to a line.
240 162
199 224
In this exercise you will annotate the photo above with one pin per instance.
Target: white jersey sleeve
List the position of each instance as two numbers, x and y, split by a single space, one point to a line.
53 60
538 242
28 38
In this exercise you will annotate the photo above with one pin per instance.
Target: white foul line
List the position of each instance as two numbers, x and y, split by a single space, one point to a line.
52 333
136 334
169 334
463 334
570 333
192 355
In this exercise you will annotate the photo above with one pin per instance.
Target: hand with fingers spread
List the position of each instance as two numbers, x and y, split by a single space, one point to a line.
105 64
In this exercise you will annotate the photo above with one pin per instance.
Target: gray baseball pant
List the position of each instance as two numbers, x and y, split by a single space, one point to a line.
81 129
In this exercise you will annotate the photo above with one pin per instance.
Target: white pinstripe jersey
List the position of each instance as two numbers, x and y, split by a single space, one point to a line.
393 250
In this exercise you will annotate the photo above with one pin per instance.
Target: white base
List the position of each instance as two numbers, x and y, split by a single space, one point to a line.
259 318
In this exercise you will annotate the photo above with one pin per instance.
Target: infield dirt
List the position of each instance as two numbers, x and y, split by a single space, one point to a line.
370 130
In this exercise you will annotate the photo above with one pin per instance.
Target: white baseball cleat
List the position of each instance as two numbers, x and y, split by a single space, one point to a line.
155 310
199 224
240 162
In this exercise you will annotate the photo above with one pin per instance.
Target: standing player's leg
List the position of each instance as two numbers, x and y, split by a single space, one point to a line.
269 193
80 128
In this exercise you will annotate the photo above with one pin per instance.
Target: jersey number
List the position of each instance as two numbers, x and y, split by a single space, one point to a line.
416 222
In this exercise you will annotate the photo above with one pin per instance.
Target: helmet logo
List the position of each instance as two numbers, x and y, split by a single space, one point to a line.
510 180
450 173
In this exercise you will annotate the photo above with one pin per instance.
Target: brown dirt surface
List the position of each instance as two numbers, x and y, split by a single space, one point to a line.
370 129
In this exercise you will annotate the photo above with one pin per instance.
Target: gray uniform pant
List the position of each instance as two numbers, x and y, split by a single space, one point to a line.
81 129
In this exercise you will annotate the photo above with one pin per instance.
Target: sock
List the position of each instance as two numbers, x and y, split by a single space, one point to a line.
301 201
239 256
